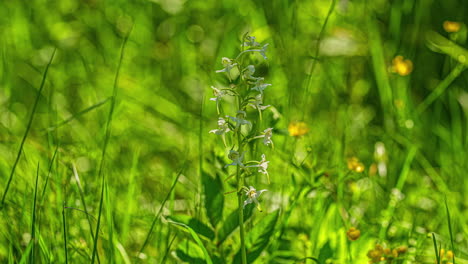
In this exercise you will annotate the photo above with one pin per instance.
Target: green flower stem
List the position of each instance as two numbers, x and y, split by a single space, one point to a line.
240 184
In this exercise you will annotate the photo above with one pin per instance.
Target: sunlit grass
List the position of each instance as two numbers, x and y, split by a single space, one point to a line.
114 153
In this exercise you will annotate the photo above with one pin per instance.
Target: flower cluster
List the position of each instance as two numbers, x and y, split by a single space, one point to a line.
248 89
385 255
355 165
446 257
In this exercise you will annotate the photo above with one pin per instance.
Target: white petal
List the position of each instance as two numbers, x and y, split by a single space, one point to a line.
260 192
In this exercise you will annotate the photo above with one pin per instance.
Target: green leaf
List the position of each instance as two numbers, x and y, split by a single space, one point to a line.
326 252
214 197
190 252
197 240
440 44
195 224
259 237
232 222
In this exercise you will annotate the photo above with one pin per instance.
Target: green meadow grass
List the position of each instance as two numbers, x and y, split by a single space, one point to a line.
106 155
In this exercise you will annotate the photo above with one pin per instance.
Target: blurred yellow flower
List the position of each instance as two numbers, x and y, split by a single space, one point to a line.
446 256
353 234
402 249
373 169
355 165
379 253
297 129
450 254
451 26
401 66
376 255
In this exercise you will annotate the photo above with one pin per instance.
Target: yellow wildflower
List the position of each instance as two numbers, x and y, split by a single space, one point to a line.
376 254
452 26
402 249
355 165
446 256
297 129
379 253
401 66
353 234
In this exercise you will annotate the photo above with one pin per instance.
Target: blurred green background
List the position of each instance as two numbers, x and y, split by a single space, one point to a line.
332 64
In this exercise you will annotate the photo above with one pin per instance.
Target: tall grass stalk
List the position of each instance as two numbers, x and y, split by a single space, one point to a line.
28 127
104 148
156 217
33 220
449 221
64 223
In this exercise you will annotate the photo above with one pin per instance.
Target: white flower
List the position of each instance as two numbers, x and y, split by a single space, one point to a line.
268 133
251 42
223 127
252 196
257 104
263 50
240 119
217 93
228 66
248 72
259 86
262 167
236 159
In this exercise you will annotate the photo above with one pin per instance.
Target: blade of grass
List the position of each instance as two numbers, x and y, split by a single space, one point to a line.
10 254
440 44
83 211
200 160
43 246
317 51
28 127
156 217
48 175
33 220
104 148
83 201
122 251
380 70
64 222
399 185
168 249
95 255
130 201
306 258
406 167
435 249
197 240
439 90
26 253
450 228
73 117
110 223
